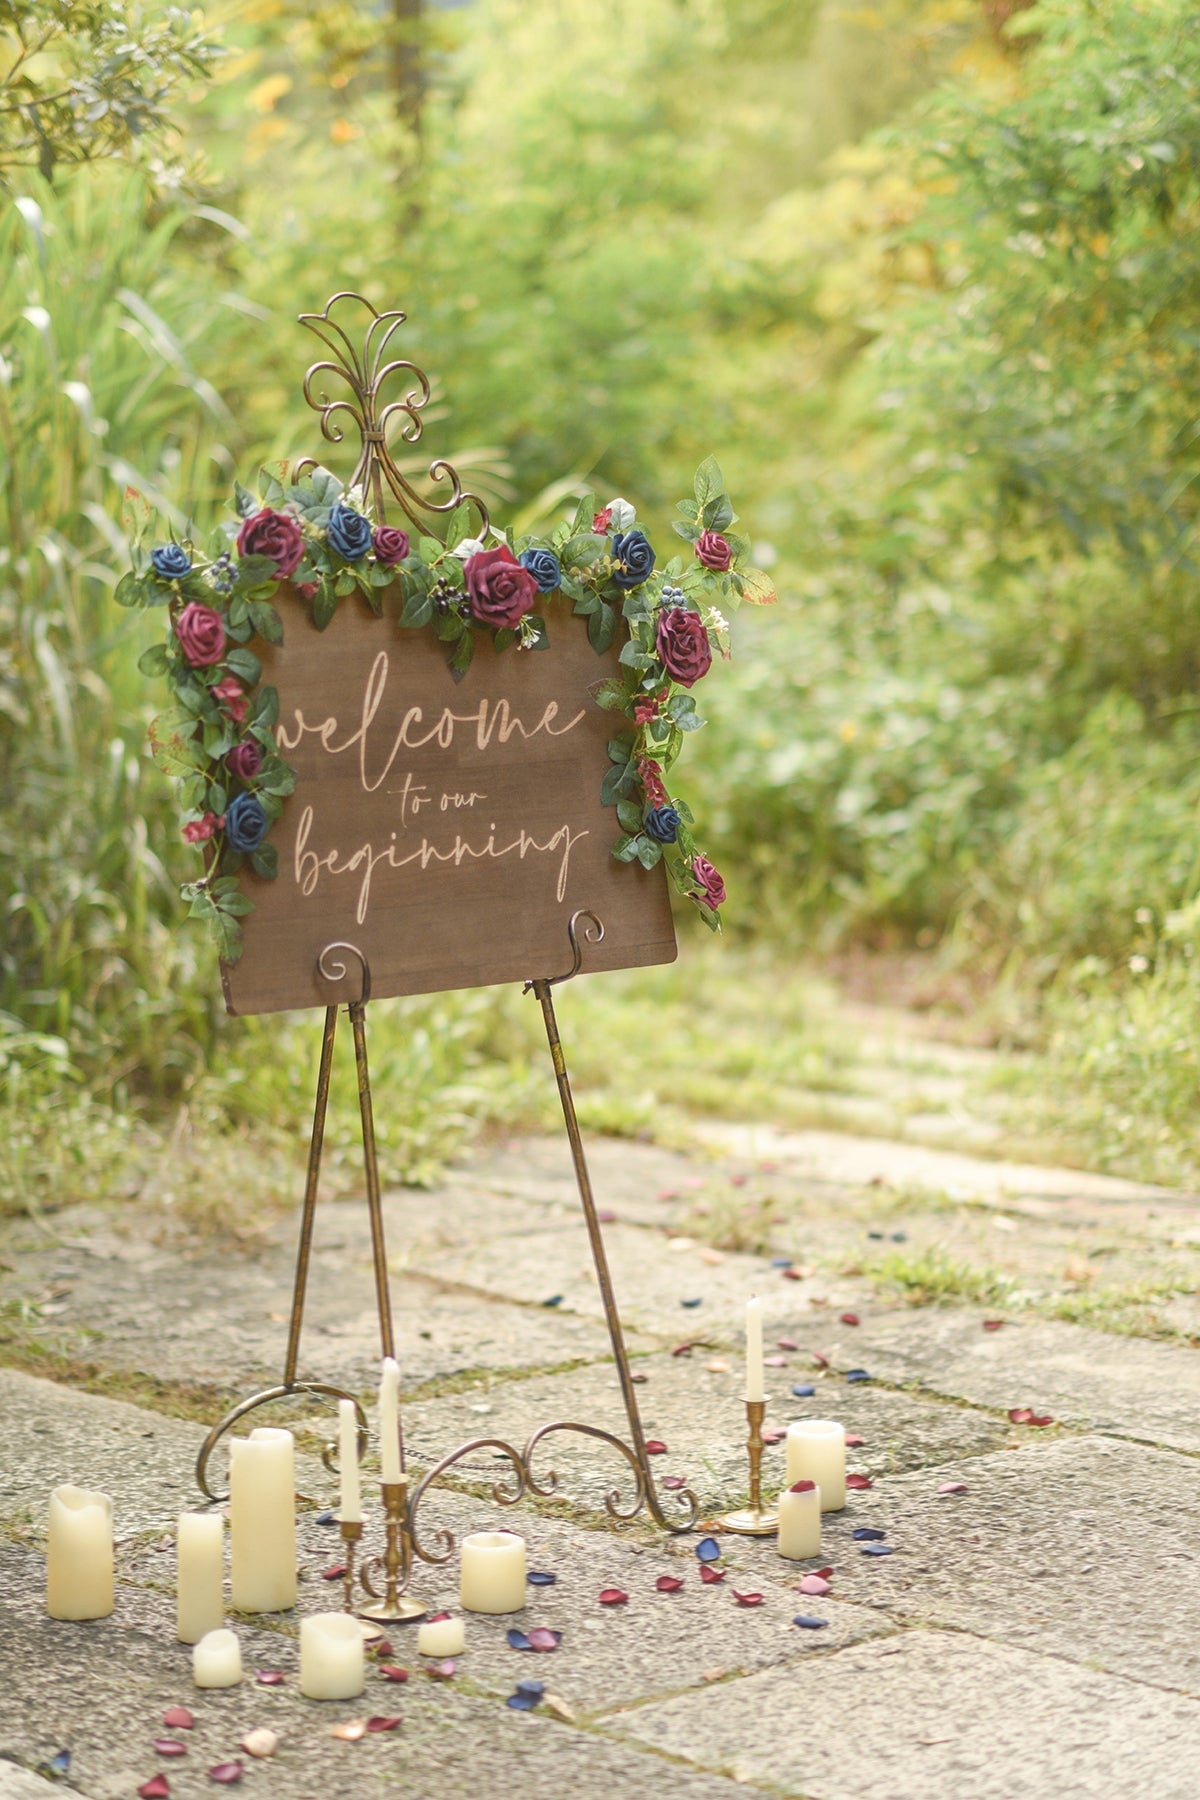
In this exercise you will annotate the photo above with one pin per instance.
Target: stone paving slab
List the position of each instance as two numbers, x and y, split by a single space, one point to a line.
939 1716
18 1784
1132 1386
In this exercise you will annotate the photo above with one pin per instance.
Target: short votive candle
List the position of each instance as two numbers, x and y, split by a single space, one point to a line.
79 1555
492 1572
441 1637
816 1451
799 1509
331 1657
217 1660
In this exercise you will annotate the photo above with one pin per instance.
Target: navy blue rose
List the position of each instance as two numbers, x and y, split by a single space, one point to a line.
348 533
662 824
634 557
246 823
171 562
544 567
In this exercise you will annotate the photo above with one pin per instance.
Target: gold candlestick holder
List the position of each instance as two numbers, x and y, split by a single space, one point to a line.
351 1530
754 1520
393 1604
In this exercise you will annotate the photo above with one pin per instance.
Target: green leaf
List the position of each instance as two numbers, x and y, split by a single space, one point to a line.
620 748
324 603
690 532
586 603
418 610
254 571
266 621
380 575
344 584
265 861
504 637
264 708
612 695
227 935
540 640
718 513
131 591
281 783
601 627
247 504
217 798
136 514
236 904
629 814
617 781
155 660
245 666
585 512
625 849
648 852
709 481
464 650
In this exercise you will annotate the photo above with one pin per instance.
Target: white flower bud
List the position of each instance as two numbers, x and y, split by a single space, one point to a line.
622 514
468 548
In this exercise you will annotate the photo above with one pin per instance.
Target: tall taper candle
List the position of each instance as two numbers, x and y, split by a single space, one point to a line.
389 1421
79 1555
350 1510
262 1521
200 1576
754 1350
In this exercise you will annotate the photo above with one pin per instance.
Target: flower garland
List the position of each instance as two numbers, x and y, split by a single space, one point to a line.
218 737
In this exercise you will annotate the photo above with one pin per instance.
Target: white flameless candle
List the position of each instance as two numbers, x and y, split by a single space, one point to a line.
754 1350
816 1451
262 1521
79 1555
800 1520
331 1657
492 1577
389 1420
441 1637
350 1510
217 1661
200 1577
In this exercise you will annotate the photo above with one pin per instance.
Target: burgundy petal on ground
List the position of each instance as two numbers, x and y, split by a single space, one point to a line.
859 1482
178 1718
669 1584
157 1788
613 1597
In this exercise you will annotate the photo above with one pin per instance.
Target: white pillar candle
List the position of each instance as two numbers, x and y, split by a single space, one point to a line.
350 1509
262 1521
79 1555
800 1520
217 1660
200 1576
331 1657
441 1637
492 1577
754 1350
816 1451
389 1420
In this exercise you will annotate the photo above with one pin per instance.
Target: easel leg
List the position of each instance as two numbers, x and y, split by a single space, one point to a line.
599 1254
315 1147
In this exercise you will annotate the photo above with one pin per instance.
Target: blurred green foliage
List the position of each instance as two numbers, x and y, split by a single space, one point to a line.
930 285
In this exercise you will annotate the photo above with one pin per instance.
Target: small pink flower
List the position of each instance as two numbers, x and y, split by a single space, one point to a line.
645 710
307 590
652 781
232 697
200 830
602 520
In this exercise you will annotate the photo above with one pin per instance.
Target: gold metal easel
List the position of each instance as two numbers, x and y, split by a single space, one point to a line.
364 373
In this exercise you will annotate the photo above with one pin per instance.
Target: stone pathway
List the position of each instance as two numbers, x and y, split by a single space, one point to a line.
1033 1632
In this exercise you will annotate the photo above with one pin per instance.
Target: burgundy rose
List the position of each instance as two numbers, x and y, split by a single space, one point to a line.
501 591
273 534
391 545
232 697
683 645
713 894
200 830
201 634
244 760
714 551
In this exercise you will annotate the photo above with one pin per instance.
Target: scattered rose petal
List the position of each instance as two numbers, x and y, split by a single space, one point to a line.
534 1688
655 1447
435 1617
899 1237
709 1574
59 1763
747 1599
773 1434
517 1640
1040 1419
717 1366
708 1550
226 1774
327 1518
849 1318
178 1718
804 1390
691 1303
335 1573
669 1584
853 1442
381 1647
169 1747
953 1487
674 1482
781 1262
775 1362
813 1584
522 1702
269 1678
808 1622
349 1731
821 1360
683 1349
875 1550
606 1216
792 1273
992 1324
540 1578
787 1343
712 1257
554 1300
858 1482
391 1673
639 1380
868 1534
443 1671
260 1742
543 1639
379 1723
857 1375
558 1705
157 1788
613 1597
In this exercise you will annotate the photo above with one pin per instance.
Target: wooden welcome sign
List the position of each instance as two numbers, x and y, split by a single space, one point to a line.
448 830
